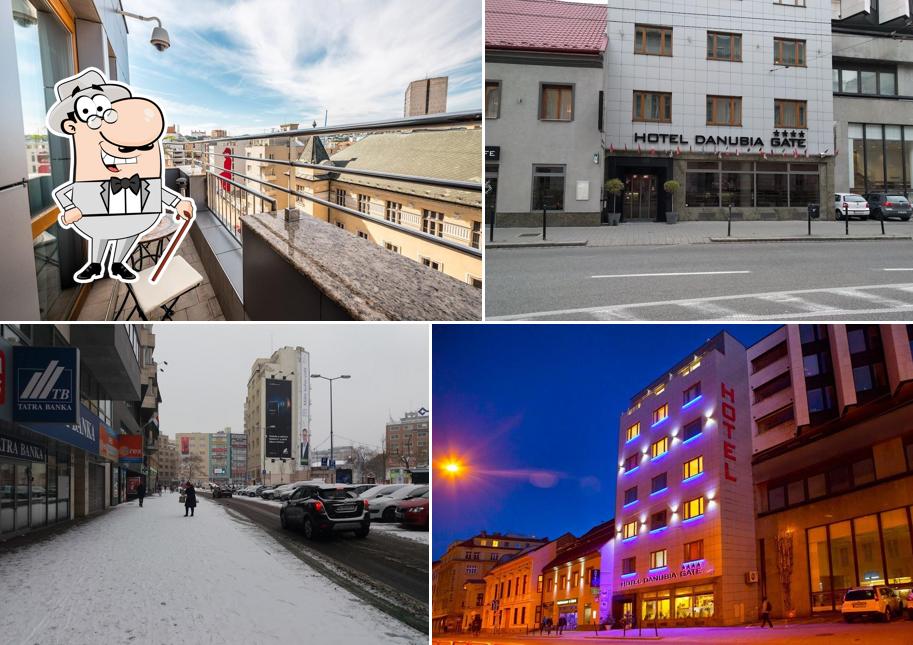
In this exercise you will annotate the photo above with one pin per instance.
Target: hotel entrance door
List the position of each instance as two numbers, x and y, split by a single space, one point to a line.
640 198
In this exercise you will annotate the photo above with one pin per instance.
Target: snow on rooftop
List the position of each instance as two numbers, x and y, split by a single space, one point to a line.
150 575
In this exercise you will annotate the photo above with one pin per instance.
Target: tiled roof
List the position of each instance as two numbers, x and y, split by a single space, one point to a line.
443 154
590 542
545 25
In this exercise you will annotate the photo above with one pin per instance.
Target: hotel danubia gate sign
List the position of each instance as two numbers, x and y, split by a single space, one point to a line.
780 139
687 570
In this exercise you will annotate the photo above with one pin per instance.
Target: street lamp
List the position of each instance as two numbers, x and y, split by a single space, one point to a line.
331 379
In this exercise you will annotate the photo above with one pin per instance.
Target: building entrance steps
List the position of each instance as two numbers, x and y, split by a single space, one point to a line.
653 233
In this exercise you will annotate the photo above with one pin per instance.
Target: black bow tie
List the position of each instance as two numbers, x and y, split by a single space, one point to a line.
117 184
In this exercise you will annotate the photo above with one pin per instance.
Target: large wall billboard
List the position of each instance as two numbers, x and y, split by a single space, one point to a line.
278 431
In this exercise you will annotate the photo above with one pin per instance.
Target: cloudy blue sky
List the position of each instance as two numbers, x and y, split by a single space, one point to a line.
249 65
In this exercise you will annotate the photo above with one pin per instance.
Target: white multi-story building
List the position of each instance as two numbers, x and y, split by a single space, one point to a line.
685 550
277 417
731 99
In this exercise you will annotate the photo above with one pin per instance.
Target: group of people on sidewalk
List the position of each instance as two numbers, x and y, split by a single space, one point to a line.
548 624
188 496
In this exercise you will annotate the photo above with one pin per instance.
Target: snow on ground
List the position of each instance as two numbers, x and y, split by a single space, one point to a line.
268 502
398 531
150 575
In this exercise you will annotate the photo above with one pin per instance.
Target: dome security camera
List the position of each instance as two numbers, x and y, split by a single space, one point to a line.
160 39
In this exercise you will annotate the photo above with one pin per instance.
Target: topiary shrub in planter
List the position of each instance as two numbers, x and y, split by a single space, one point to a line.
672 187
614 187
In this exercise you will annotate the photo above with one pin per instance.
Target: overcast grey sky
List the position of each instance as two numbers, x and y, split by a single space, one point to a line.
205 382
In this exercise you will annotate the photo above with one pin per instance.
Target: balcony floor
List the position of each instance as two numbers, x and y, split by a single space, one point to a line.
199 304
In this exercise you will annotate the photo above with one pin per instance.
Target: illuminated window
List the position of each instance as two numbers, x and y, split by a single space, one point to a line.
659 448
575 579
658 559
693 508
693 468
563 582
661 413
694 551
659 389
628 565
691 393
630 530
495 543
690 368
539 584
633 432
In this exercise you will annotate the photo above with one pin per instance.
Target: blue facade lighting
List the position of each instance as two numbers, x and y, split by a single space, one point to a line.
693 401
661 490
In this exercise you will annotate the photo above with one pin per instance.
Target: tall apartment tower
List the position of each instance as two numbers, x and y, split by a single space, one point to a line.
832 461
685 541
277 417
427 96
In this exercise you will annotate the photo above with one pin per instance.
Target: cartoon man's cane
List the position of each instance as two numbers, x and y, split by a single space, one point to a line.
172 247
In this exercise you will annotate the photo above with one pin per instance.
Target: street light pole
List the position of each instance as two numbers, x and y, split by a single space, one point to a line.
332 463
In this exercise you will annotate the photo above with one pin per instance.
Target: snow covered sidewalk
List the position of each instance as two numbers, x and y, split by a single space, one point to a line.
150 575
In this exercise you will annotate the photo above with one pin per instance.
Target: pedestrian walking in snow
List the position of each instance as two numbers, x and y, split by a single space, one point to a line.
766 608
190 499
141 493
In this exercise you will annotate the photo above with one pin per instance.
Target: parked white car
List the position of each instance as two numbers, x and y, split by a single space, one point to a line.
381 489
383 507
851 205
871 602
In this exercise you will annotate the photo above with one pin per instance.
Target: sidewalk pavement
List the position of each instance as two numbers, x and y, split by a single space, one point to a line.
151 575
653 233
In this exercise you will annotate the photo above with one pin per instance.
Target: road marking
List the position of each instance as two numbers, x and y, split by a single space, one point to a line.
660 275
898 269
612 310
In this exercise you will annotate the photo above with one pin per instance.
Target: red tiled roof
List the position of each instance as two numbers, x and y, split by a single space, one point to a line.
545 25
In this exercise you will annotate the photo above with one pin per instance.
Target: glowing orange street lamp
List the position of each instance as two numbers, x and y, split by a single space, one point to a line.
452 467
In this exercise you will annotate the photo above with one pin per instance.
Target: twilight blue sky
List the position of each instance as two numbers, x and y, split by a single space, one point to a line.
534 410
249 65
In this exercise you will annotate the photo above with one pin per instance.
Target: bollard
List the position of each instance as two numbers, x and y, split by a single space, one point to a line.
881 212
543 222
846 217
491 234
729 225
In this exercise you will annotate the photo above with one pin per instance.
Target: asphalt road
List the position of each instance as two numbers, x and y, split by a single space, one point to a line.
390 573
752 281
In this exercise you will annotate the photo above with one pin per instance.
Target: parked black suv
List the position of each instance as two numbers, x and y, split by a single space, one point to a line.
889 205
328 508
221 491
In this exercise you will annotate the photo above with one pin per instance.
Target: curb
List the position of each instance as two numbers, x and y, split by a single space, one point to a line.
829 238
529 245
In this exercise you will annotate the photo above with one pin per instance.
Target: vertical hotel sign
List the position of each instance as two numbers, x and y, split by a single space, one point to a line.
304 408
728 414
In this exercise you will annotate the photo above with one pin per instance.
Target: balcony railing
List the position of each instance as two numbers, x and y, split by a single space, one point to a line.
229 199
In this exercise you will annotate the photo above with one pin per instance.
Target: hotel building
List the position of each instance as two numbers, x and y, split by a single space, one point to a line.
832 443
458 578
684 549
572 583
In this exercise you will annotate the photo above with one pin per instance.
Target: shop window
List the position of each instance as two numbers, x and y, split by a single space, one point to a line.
628 565
556 103
630 462
724 110
870 568
652 107
632 432
629 530
658 559
631 495
772 189
804 189
895 531
658 520
683 605
691 393
702 189
693 429
693 508
661 413
658 483
654 41
819 569
789 52
693 467
694 551
659 448
790 114
548 188
492 99
843 562
656 608
724 46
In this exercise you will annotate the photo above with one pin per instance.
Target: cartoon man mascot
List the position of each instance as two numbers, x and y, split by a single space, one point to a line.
116 190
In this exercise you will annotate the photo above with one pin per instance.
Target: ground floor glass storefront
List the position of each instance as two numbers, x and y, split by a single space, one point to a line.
870 550
749 184
680 605
32 493
881 158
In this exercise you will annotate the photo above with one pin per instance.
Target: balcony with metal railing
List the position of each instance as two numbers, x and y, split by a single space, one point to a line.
304 236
